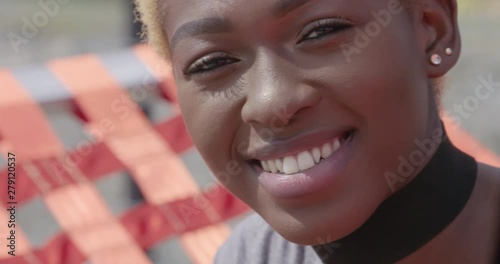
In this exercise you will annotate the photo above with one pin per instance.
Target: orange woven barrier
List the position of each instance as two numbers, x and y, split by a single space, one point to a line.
175 206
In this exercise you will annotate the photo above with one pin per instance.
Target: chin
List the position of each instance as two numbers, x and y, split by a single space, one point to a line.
322 226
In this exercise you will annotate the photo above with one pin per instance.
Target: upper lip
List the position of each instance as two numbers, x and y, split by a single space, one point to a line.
291 146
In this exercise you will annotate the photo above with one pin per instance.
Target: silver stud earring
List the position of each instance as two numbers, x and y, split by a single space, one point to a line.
436 59
448 51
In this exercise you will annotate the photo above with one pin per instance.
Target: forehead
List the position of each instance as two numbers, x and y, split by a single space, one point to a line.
214 6
174 13
194 17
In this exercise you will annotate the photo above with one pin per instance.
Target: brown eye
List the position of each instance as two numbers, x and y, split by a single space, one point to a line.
323 28
209 63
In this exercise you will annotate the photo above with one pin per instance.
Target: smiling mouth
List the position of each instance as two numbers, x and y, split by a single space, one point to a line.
304 160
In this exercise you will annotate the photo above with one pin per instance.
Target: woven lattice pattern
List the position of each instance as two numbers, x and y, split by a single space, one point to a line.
65 180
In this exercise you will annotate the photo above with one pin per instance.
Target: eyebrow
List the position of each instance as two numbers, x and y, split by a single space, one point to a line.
199 27
218 25
283 7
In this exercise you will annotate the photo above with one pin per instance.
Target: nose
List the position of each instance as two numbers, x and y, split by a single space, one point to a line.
276 94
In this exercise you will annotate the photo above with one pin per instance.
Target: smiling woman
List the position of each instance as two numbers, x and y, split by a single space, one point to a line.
334 126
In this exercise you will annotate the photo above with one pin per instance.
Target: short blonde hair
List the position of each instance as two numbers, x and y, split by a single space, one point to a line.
148 13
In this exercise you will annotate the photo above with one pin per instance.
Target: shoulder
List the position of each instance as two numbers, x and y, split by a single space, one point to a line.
253 241
250 236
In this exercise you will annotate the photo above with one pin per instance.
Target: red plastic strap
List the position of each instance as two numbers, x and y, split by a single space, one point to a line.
155 166
20 117
161 70
98 163
83 213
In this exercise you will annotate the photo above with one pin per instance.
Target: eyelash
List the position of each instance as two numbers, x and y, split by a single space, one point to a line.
197 67
336 24
233 91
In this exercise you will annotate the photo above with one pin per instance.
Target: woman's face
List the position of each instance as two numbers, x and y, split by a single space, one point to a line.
280 81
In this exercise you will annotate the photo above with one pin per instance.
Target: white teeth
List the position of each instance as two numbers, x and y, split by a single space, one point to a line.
264 165
316 154
290 165
272 166
279 164
336 144
305 160
326 150
302 161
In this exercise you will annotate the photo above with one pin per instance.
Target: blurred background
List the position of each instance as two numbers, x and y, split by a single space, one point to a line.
104 26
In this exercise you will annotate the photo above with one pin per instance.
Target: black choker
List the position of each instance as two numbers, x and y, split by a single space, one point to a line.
414 215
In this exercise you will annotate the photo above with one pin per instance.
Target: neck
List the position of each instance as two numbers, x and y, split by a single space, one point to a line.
414 215
433 136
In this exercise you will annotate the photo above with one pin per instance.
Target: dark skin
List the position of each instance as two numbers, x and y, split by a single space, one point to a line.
264 78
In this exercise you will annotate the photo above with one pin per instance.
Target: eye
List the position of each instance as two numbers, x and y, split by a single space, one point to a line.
209 63
323 28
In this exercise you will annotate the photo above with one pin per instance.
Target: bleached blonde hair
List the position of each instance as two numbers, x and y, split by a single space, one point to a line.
148 13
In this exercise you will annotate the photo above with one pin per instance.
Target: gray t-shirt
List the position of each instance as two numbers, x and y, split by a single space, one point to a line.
253 241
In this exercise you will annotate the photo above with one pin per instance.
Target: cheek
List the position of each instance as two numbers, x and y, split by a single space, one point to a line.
388 91
395 80
393 105
211 123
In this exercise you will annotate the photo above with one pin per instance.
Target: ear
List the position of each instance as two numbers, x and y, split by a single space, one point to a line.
438 31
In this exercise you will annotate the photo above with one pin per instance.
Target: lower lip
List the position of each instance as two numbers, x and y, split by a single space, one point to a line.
309 181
